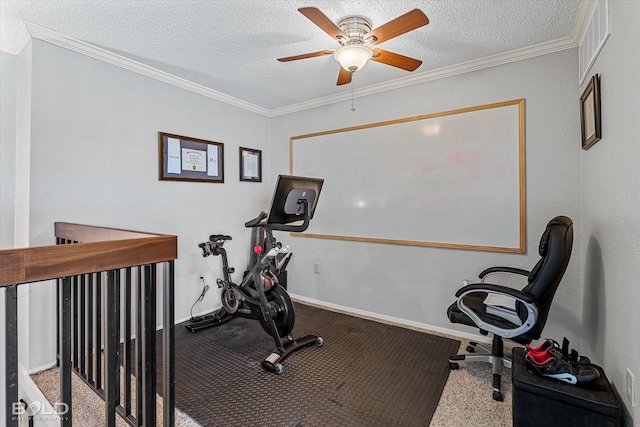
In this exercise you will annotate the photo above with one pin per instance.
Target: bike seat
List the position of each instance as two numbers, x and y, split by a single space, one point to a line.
219 238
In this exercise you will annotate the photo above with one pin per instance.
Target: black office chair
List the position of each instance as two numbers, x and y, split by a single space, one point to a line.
532 302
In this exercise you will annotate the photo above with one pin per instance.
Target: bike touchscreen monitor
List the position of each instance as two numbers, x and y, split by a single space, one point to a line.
289 190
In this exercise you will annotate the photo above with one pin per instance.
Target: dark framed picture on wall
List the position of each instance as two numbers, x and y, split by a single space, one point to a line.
590 121
250 165
190 159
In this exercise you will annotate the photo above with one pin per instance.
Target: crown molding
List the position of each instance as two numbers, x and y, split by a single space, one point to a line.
29 30
43 34
441 73
18 41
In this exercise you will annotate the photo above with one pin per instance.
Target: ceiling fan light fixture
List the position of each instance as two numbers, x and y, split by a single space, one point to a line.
352 57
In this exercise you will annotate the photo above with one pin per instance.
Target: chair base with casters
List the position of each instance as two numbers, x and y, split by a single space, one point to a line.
520 314
470 310
495 357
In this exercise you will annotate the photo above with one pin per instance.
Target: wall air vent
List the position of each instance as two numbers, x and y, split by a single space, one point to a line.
595 34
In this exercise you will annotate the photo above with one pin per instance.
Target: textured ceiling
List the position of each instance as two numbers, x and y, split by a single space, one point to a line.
232 46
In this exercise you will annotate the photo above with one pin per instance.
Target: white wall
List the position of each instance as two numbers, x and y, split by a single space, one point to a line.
417 284
8 88
611 208
94 160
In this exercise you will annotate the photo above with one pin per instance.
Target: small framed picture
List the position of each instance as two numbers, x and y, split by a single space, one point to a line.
590 121
250 165
190 159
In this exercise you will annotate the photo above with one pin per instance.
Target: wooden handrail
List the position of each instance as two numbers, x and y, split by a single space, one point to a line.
91 234
99 249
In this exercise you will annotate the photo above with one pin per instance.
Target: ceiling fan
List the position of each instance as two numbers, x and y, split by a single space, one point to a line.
355 36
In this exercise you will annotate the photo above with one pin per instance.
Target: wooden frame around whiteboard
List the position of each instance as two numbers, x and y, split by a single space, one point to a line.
477 122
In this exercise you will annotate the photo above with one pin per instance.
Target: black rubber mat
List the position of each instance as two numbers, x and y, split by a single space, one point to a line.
366 374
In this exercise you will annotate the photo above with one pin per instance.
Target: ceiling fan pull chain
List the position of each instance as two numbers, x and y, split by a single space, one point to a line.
353 102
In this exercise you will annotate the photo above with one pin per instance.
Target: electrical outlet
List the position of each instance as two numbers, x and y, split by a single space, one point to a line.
316 267
631 388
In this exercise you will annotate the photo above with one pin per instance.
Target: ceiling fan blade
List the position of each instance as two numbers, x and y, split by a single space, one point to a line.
325 24
344 77
402 24
395 60
307 55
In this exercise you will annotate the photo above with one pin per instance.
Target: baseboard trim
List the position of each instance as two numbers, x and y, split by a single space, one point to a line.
424 327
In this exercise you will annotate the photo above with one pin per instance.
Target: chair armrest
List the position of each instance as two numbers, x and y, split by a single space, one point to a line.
495 289
525 299
493 270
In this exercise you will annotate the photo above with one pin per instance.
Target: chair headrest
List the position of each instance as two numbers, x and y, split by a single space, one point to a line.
544 240
543 247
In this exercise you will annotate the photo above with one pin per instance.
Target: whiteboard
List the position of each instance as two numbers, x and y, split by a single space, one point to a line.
449 179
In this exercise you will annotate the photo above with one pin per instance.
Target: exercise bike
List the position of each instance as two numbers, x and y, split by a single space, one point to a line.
260 296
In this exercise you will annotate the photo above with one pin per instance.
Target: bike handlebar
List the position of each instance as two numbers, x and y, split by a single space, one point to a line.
256 221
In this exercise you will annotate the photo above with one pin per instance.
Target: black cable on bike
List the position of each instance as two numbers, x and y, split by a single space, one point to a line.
205 288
